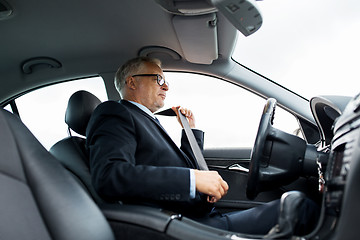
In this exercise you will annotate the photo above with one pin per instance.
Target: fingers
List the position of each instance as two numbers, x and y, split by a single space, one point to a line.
188 114
220 189
225 186
212 184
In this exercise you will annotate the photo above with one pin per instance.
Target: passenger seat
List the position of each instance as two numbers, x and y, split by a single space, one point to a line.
71 151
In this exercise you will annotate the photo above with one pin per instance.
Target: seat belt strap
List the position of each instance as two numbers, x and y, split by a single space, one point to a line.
193 143
190 136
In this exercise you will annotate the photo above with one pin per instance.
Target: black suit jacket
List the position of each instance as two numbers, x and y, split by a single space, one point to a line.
133 159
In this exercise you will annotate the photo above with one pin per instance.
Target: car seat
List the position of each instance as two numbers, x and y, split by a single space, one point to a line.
71 151
39 199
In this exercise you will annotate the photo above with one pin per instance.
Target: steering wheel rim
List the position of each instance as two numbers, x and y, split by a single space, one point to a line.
265 125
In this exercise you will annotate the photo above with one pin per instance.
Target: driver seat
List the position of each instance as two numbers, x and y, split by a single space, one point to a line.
39 199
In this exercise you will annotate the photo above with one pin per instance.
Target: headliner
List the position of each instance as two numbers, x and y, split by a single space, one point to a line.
90 37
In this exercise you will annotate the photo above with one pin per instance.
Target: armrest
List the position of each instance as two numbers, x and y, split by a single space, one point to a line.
150 217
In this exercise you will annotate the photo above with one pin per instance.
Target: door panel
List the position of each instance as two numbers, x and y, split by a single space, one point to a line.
231 165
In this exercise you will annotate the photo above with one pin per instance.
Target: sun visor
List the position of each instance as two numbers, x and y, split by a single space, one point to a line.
244 14
198 37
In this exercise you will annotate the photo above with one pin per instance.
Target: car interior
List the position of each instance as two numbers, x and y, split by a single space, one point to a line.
48 194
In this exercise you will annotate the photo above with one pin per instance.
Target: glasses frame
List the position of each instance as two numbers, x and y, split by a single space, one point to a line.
159 79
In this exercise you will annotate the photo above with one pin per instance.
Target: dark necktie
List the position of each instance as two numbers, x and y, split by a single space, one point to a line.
157 120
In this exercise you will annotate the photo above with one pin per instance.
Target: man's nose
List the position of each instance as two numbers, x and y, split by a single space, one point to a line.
165 86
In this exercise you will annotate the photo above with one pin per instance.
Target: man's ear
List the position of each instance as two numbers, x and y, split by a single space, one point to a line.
131 82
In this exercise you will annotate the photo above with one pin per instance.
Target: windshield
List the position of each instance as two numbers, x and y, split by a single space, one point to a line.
310 47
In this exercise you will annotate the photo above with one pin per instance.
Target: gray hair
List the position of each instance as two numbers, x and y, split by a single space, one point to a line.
130 68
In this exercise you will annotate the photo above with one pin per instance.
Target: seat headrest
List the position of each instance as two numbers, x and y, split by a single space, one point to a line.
79 109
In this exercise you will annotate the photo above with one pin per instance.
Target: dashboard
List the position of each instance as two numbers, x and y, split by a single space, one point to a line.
326 109
341 199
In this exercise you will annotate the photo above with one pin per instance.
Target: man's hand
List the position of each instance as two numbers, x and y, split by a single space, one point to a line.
211 184
188 113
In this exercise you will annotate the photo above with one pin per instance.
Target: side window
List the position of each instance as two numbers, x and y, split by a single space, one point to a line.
286 122
43 110
228 114
7 107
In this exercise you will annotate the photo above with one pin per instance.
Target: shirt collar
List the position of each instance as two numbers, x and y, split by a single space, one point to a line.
145 109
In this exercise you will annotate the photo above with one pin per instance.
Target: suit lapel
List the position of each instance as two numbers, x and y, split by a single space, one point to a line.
162 130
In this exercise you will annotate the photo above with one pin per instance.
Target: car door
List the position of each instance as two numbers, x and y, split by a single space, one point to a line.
43 110
229 115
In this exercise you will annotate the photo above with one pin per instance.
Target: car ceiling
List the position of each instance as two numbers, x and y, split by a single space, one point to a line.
87 38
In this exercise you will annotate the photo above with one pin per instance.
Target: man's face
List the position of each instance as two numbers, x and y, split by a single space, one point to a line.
148 92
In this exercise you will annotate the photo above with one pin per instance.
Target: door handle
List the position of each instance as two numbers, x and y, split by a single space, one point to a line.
238 167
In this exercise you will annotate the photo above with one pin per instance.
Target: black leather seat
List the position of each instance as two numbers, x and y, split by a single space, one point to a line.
71 151
39 199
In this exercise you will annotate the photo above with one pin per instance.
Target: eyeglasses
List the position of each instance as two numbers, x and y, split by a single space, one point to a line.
160 80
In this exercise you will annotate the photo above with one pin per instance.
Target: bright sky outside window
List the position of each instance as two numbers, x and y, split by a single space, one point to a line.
310 47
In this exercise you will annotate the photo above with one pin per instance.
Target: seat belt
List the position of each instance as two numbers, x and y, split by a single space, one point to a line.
190 136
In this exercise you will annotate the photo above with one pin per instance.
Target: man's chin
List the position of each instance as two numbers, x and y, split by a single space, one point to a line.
158 107
161 104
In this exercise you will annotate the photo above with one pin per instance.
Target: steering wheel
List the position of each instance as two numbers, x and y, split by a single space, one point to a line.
265 125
